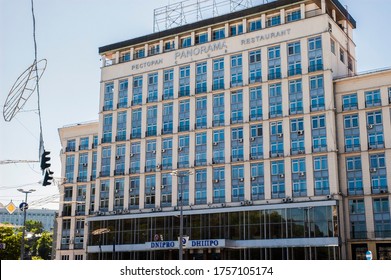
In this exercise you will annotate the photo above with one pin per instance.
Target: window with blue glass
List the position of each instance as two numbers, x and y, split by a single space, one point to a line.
351 133
69 168
358 227
104 195
124 56
120 156
168 84
372 98
139 53
381 217
121 126
255 25
119 186
236 107
123 94
92 198
218 34
389 95
276 139
274 63
275 100
237 144
200 149
219 185
354 175
293 15
321 176
169 46
167 118
107 128
237 183
166 190
378 173
299 181
256 112
375 130
83 143
151 121
137 90
183 151
94 165
218 147
108 97
349 102
201 77
295 97
183 190
201 38
294 59
83 164
256 141
152 87
277 179
105 162
135 158
95 142
166 154
273 20
319 139
201 112
184 116
136 124
236 70
255 67
317 93
200 186
257 181
297 136
218 109
218 74
150 191
154 49
186 42
134 192
184 81
315 56
150 157
236 29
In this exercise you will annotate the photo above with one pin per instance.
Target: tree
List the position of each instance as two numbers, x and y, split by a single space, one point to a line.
35 227
44 245
11 239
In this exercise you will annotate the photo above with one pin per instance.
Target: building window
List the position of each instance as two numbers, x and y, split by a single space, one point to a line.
139 53
358 227
186 42
200 149
342 55
167 118
184 81
372 98
150 191
218 147
275 100
201 38
201 112
321 176
105 164
332 44
315 57
236 107
108 97
119 194
124 57
152 87
277 179
299 183
351 133
349 102
354 176
120 160
200 186
137 90
319 139
236 71
294 59
166 154
237 144
94 165
295 97
255 67
121 126
256 141
218 185
257 181
273 20
104 195
276 139
297 136
154 49
184 116
293 16
218 34
151 121
134 193
236 29
201 77
168 84
256 112
378 173
150 156
375 130
218 109
134 158
83 164
237 181
218 74
69 168
169 46
274 63
317 93
255 25
381 217
83 144
136 123
183 151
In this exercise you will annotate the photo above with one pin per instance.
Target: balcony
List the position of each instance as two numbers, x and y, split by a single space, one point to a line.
83 147
257 155
200 125
183 164
119 172
134 170
201 89
107 108
119 138
294 72
218 86
298 151
349 106
254 80
151 99
182 128
81 179
352 148
104 173
135 135
150 168
276 153
274 76
237 83
184 92
380 189
219 122
256 117
375 145
106 139
238 119
122 105
217 160
167 96
237 158
319 148
137 101
167 130
70 149
315 67
200 162
150 132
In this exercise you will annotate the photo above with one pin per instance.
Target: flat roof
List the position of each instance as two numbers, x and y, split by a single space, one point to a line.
216 20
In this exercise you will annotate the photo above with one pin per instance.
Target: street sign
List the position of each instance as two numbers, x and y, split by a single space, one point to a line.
368 255
23 206
10 208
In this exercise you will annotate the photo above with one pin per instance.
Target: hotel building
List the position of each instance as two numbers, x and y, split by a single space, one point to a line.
283 147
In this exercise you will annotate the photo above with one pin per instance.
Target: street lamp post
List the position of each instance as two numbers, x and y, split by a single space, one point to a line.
100 232
180 175
24 209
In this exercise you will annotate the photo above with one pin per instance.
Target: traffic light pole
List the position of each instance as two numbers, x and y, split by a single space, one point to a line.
24 221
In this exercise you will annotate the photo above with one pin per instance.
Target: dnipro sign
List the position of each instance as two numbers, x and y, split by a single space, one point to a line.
208 243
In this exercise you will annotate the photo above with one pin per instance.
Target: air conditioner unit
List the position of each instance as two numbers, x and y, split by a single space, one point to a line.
279 135
116 191
241 179
249 202
216 180
130 190
329 196
163 150
158 166
282 175
383 191
131 155
153 188
240 140
370 126
289 199
242 203
180 149
253 178
372 170
301 152
84 197
300 132
117 157
301 174
252 139
154 152
215 143
85 164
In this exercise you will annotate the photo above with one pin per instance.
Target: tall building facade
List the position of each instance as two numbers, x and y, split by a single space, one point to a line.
254 107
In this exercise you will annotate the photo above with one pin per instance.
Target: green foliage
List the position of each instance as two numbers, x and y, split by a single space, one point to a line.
12 243
35 227
44 245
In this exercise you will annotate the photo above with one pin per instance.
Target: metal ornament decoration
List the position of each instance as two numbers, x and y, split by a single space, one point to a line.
23 88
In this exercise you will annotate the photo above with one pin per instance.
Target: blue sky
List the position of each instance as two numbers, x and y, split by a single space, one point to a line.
69 33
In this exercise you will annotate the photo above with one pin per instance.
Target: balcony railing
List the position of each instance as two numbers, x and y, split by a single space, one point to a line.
201 89
183 128
256 79
151 132
118 172
120 138
274 76
315 67
122 105
294 71
200 162
184 92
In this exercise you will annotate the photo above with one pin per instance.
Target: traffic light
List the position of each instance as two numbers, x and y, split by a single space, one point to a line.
45 160
47 177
